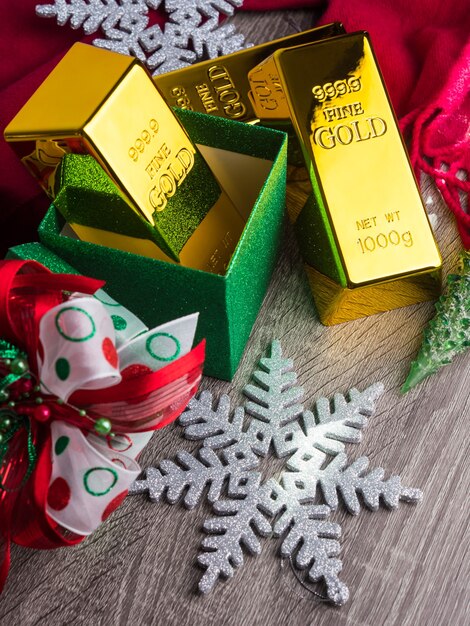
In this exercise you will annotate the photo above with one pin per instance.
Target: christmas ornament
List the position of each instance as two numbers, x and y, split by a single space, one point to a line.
448 333
273 421
84 384
191 33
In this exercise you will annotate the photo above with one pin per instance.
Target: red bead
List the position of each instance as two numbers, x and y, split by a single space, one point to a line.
26 385
24 410
41 413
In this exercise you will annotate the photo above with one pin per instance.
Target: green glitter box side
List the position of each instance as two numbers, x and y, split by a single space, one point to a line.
157 291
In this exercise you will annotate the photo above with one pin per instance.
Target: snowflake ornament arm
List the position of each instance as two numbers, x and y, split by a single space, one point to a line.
239 523
309 540
352 480
336 477
92 15
191 32
274 406
274 403
191 476
214 426
216 40
334 426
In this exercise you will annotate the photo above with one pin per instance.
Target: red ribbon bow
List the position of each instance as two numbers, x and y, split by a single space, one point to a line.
27 291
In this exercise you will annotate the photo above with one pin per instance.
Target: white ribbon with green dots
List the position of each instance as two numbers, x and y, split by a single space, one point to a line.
86 343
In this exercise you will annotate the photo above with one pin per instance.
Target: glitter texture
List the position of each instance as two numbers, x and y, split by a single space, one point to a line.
159 291
448 333
246 510
88 196
41 254
192 32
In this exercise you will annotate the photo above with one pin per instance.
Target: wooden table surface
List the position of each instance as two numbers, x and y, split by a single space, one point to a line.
407 568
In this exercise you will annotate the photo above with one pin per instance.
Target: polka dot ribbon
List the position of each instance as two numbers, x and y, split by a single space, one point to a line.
70 371
90 476
89 343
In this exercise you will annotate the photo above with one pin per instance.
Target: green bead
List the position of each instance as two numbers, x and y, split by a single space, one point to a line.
39 400
7 362
12 404
60 401
82 413
1 438
19 366
103 426
37 388
6 423
4 395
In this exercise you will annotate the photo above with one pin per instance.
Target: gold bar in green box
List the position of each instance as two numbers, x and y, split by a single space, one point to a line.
157 290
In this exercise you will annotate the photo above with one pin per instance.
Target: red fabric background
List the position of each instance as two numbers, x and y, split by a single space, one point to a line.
417 44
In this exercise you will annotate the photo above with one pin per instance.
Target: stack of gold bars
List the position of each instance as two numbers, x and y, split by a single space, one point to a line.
142 185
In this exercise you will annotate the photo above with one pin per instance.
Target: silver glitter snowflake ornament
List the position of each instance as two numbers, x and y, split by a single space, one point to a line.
192 31
295 507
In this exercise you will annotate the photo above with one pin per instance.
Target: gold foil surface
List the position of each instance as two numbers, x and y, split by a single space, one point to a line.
365 225
106 105
266 94
221 86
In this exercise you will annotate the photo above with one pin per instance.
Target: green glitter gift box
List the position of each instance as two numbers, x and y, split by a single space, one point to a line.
254 160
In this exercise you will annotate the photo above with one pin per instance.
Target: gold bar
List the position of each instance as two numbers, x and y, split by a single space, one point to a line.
266 94
106 105
221 86
364 233
86 189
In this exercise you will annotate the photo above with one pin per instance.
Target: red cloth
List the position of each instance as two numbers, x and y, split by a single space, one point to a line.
418 44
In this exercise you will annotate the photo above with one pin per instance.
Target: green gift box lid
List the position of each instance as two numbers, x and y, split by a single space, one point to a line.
158 291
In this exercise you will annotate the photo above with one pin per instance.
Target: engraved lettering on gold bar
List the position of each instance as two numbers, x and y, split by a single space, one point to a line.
145 137
206 97
218 261
391 217
367 222
329 91
382 241
181 98
158 160
328 137
267 94
176 172
226 92
342 112
266 89
179 87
